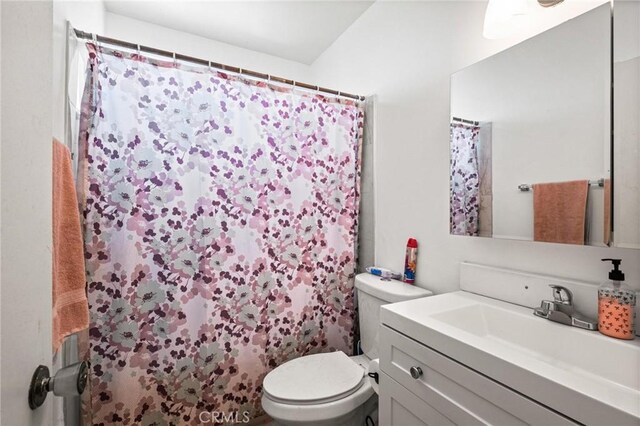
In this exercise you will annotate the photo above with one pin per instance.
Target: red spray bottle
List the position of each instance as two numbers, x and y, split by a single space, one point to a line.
410 261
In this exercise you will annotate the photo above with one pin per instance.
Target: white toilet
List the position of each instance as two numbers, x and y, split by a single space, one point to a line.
333 388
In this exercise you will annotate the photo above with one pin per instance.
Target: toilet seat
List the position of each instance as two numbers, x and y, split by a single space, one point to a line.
314 379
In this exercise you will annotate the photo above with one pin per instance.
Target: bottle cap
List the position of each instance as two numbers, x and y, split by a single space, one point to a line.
615 274
412 243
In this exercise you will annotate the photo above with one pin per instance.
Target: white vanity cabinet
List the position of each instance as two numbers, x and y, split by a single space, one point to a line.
442 391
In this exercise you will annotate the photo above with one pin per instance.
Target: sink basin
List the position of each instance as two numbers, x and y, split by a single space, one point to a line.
582 352
580 373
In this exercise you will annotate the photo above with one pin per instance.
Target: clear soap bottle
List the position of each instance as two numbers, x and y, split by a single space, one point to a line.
616 305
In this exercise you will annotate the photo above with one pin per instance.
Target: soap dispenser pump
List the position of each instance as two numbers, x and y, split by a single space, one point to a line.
616 305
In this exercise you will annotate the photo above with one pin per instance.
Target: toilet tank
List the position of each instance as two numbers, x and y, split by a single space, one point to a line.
373 292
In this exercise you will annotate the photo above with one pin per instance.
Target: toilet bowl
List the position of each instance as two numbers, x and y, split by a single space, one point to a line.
321 389
333 388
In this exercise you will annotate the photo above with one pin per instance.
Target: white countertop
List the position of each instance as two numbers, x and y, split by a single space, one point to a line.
583 374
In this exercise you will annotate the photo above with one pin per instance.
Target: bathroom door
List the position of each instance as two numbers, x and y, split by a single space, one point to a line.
25 208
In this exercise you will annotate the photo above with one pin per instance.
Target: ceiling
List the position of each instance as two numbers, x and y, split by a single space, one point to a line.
297 30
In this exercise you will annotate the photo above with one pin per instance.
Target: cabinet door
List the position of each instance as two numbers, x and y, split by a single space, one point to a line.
461 394
399 407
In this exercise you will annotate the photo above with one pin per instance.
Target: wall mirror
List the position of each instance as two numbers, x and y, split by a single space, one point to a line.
531 138
626 124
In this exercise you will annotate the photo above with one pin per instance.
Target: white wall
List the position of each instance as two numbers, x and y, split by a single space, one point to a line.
549 115
136 31
25 265
405 52
0 207
85 15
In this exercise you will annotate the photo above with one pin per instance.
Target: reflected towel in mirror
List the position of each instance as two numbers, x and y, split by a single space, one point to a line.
559 211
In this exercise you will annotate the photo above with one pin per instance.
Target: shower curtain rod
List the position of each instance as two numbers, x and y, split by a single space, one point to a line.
465 121
237 70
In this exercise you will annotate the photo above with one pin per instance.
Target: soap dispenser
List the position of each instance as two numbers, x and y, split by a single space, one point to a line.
616 305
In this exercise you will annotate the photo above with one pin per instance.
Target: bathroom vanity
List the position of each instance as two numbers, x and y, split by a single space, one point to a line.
464 358
446 392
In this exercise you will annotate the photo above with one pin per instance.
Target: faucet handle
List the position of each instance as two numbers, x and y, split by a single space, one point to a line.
561 294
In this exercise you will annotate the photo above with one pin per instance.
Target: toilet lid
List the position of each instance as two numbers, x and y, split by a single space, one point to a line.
314 379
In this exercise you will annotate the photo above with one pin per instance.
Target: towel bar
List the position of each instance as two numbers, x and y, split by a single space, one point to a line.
525 187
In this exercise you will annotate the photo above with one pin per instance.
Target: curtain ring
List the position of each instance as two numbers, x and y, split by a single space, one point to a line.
175 61
138 49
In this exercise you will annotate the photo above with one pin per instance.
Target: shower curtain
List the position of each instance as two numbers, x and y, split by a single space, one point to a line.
464 189
220 221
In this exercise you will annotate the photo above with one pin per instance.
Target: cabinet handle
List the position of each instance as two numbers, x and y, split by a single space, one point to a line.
416 372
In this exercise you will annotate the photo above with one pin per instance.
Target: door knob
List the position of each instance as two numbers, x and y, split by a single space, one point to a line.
416 372
68 381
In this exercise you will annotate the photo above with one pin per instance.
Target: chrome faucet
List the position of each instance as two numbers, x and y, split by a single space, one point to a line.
561 310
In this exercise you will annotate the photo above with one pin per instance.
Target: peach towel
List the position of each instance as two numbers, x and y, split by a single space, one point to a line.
559 211
70 305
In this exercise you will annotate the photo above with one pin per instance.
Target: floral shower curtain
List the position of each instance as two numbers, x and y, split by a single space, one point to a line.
464 192
220 225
